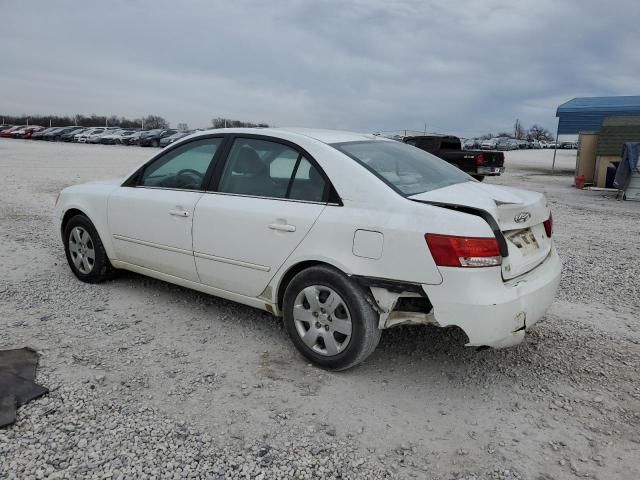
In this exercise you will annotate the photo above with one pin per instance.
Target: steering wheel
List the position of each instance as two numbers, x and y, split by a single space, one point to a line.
190 171
188 178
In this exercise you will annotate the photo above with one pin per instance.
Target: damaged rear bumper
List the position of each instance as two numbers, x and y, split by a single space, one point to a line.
492 312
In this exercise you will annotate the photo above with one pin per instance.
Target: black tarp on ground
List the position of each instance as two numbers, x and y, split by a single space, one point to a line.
17 387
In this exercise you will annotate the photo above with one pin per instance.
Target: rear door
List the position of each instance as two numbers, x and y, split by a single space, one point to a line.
151 216
264 201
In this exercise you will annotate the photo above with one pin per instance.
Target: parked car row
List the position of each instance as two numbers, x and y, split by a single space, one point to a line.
19 131
157 137
506 143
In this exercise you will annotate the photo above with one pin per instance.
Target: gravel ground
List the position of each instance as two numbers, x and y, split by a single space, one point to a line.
148 379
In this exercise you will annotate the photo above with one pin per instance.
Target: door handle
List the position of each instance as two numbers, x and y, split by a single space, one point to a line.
179 213
283 227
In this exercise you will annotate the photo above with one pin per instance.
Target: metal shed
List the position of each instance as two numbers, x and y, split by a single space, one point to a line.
615 132
588 113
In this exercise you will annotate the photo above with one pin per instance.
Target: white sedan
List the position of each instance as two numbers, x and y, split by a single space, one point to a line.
342 234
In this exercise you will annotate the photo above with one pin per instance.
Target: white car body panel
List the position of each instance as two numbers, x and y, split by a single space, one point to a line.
239 242
223 244
152 228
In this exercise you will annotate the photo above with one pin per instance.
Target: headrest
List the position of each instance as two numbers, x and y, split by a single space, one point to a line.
248 162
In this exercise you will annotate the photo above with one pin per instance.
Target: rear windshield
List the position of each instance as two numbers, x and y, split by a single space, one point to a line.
407 169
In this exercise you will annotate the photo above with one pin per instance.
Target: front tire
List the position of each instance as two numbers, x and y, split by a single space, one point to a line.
85 252
478 177
329 319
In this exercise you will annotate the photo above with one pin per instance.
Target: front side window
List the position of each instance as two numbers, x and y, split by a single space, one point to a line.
268 169
183 167
407 169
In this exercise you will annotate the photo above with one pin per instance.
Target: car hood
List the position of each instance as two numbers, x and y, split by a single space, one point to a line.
110 181
115 182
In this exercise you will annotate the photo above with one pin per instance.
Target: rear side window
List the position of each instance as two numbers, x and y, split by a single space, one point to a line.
406 169
307 184
269 169
450 144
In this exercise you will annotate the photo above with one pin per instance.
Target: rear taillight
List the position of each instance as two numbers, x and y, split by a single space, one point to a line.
548 225
479 158
453 251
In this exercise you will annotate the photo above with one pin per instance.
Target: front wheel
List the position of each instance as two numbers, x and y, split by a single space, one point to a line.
84 250
329 319
478 177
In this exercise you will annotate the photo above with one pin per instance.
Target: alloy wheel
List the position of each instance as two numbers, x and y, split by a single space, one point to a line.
322 320
82 250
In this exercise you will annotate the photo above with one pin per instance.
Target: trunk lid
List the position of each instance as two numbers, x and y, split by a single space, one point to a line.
520 214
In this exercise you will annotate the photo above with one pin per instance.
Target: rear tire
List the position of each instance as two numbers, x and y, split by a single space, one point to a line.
329 319
85 252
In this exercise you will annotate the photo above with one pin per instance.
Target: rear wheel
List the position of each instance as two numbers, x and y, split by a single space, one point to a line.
84 250
328 318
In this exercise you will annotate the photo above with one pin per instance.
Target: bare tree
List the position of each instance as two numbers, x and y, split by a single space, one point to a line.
518 129
220 122
155 121
536 132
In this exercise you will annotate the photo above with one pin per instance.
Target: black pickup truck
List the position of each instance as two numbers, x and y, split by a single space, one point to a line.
477 163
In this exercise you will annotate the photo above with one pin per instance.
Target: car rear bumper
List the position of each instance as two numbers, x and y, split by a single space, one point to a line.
492 312
490 170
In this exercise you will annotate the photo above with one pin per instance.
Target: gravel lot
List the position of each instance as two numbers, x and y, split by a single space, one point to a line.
148 379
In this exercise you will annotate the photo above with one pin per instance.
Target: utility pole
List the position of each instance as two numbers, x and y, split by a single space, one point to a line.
49 122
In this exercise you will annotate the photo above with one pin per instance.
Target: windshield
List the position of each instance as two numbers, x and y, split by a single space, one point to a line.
407 169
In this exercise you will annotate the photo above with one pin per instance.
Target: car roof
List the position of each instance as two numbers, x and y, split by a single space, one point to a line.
321 135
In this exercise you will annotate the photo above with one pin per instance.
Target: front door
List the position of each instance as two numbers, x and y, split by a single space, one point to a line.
268 198
151 220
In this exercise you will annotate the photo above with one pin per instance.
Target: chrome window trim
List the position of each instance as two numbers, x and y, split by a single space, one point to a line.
209 192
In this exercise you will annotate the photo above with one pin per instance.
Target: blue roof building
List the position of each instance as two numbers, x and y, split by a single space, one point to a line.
586 114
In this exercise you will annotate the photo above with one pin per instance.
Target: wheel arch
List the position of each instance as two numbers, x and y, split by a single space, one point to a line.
97 222
292 271
68 215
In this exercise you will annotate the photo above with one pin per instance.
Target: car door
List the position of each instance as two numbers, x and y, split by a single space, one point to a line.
150 217
266 198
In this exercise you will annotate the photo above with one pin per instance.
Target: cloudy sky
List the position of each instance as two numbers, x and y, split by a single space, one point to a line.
464 66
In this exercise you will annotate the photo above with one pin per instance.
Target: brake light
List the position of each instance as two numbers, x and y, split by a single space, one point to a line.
453 251
479 159
548 225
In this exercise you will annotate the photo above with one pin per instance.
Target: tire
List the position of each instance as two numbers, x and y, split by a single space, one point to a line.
81 242
478 177
345 320
156 143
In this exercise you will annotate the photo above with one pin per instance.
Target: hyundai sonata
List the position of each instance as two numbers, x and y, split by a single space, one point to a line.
342 234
